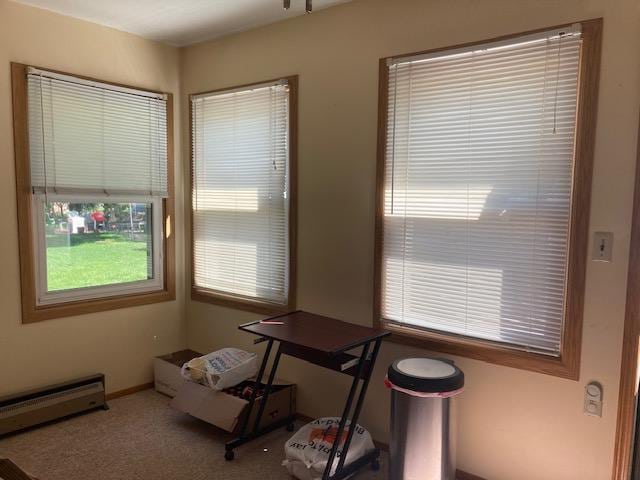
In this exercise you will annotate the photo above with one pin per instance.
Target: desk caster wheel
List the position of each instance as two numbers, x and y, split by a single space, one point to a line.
375 465
290 427
229 455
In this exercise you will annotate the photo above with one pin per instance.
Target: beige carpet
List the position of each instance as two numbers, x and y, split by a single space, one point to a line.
141 437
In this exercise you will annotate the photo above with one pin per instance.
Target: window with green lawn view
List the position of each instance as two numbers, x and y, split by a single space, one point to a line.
93 244
98 171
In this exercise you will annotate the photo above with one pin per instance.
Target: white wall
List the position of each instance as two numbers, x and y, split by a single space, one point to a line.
514 424
119 343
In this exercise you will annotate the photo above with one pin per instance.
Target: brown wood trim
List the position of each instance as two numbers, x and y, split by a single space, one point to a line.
200 294
169 208
30 311
568 364
628 394
480 350
243 85
230 301
129 391
94 79
23 189
508 36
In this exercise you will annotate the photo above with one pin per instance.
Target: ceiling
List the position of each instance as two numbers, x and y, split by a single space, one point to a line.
179 22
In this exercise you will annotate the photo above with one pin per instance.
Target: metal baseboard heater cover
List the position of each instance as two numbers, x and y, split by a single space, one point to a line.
38 406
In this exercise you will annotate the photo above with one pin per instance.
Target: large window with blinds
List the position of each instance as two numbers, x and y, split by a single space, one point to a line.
243 202
94 183
483 193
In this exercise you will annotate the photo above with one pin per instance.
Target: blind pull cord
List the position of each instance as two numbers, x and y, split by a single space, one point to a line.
194 154
150 149
164 185
102 165
555 101
393 136
44 144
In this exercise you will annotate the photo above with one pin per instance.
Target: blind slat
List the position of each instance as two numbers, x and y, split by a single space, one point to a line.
90 139
240 192
477 194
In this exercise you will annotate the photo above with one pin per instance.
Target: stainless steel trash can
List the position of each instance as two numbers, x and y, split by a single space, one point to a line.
421 389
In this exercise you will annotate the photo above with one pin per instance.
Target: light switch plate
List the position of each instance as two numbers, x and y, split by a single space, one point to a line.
602 246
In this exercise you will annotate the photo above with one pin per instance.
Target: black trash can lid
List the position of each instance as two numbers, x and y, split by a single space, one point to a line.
427 375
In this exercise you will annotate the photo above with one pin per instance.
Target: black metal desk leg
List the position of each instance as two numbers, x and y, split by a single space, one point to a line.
345 415
359 403
267 389
256 387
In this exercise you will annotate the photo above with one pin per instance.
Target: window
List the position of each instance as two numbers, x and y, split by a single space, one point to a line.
93 194
243 200
484 197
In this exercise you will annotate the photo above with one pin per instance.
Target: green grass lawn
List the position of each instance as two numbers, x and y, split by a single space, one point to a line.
92 259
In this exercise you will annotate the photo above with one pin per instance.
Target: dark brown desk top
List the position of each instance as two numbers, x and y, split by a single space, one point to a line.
316 332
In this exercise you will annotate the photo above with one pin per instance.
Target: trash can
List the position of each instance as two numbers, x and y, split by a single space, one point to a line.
421 389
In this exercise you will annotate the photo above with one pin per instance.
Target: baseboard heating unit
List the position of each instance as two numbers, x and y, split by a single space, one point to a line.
34 407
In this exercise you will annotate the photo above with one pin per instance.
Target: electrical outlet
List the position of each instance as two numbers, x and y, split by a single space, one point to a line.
593 399
602 246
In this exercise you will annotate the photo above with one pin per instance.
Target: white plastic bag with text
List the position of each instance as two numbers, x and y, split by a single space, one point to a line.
307 451
221 369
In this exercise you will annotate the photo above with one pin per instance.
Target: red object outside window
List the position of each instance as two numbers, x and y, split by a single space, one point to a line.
97 216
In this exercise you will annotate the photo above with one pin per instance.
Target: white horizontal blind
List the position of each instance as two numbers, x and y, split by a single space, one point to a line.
93 138
477 195
241 192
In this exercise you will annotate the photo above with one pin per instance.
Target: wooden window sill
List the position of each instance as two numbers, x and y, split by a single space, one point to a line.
239 303
485 351
59 310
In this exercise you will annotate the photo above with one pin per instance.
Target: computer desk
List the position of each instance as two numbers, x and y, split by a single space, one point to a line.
325 342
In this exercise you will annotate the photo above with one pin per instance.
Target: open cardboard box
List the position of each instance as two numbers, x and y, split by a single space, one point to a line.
166 371
227 411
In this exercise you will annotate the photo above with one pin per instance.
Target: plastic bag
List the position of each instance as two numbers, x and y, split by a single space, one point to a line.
307 451
222 368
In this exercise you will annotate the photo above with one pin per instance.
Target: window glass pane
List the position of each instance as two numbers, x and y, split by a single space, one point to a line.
97 244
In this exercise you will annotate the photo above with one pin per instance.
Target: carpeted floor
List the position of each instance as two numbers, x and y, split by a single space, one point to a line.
141 437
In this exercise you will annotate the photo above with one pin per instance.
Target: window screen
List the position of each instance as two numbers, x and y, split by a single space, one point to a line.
477 189
240 194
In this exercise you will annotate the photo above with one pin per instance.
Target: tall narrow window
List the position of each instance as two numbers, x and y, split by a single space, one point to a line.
479 203
242 195
95 189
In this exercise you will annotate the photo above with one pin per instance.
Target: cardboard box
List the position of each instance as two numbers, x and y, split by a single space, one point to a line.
166 370
227 411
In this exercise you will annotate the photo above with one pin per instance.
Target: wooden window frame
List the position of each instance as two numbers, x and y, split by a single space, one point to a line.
31 312
205 295
567 364
630 362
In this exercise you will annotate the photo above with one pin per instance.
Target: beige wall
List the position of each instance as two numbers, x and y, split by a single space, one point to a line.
514 424
119 343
